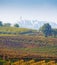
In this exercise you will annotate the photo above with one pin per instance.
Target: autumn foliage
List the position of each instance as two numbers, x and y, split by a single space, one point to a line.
32 62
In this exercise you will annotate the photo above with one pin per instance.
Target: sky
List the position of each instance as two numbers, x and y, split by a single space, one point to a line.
42 10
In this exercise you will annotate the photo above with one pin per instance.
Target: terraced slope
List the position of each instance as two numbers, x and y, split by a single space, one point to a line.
28 46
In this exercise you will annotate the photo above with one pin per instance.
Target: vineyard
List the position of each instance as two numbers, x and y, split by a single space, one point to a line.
24 46
31 62
33 49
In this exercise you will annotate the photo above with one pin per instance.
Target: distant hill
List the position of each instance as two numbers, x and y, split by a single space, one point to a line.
35 24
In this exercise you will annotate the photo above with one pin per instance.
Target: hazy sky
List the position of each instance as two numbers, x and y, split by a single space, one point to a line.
42 10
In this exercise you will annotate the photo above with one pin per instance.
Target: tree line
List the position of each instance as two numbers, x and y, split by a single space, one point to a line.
8 24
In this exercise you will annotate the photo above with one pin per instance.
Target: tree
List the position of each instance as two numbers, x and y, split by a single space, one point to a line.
16 25
7 24
1 23
46 29
54 32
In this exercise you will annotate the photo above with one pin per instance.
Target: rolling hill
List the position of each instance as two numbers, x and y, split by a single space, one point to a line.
15 30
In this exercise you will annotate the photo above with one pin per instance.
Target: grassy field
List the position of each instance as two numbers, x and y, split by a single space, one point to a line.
14 30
